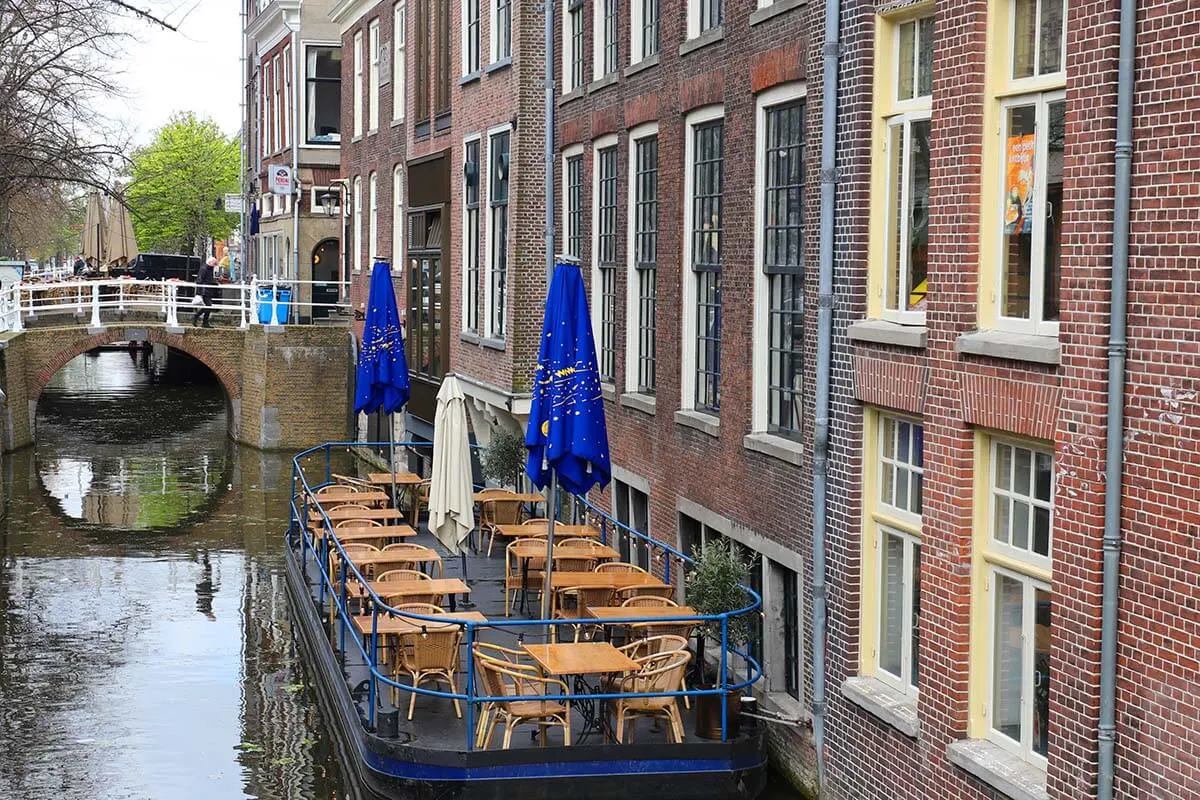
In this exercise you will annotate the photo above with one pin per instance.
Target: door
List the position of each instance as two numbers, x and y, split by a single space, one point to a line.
326 268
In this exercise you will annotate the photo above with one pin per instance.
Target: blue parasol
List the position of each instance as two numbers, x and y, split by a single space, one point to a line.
381 382
566 438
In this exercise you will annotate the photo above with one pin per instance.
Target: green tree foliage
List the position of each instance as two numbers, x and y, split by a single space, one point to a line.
177 184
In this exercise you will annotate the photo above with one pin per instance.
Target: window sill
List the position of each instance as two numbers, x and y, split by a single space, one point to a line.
603 82
761 15
472 77
885 703
881 331
774 446
711 36
998 768
705 423
644 64
373 131
496 66
396 123
574 94
645 403
1012 346
608 392
492 344
468 337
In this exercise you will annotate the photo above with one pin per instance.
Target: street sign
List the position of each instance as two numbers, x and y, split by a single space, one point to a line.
279 179
233 204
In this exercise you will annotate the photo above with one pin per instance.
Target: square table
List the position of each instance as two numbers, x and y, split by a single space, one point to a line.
402 478
576 659
648 613
436 586
335 497
561 531
384 515
371 533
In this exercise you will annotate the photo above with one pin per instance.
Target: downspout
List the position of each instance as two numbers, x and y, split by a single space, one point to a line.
235 275
549 142
296 189
1115 438
829 97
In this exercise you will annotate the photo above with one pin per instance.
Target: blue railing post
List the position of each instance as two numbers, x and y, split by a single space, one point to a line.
371 661
724 676
342 608
604 531
328 464
470 686
667 568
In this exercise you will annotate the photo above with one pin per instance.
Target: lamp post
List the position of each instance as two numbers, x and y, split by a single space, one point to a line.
338 196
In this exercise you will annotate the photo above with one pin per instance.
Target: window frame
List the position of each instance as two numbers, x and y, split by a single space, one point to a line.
373 54
399 63
696 17
358 84
604 328
634 356
638 51
309 45
373 221
472 33
572 154
606 51
494 331
288 98
472 306
499 47
358 223
399 219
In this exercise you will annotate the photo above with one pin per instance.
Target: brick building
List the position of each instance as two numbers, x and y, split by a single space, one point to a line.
290 44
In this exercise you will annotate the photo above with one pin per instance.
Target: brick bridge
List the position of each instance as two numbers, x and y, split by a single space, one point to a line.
288 386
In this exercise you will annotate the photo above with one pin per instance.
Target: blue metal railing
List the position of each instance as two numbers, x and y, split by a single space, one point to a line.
303 500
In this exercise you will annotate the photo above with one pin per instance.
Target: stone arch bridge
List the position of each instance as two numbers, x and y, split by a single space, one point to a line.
288 386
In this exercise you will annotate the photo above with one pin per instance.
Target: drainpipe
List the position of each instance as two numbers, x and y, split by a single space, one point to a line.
829 97
1115 437
549 142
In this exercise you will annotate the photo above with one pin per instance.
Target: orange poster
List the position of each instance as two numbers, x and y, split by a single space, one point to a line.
1018 185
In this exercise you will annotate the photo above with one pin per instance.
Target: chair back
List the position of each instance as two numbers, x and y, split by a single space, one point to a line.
424 609
402 575
512 561
573 562
505 512
357 523
661 672
586 596
654 630
351 507
641 649
618 566
419 551
434 648
337 488
645 600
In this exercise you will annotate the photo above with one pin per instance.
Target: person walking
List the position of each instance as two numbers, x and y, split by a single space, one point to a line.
206 289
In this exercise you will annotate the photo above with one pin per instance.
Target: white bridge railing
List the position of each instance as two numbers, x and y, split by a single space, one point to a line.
100 301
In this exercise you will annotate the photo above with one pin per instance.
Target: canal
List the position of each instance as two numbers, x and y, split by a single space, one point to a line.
145 643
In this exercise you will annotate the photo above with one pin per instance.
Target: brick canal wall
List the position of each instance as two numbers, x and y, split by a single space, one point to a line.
287 389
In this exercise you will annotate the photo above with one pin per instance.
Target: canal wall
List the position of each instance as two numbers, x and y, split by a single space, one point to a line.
288 387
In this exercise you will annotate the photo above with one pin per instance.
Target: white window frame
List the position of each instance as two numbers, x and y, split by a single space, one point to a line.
398 220
904 121
632 286
599 32
264 111
1034 80
373 77
358 223
465 38
568 153
314 199
288 71
568 47
597 296
373 221
788 93
276 103
687 382
637 53
494 31
693 20
489 325
399 65
481 209
302 97
901 683
1010 551
358 84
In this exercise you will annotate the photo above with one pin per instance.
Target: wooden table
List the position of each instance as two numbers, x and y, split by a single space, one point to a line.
494 494
402 479
609 580
335 497
384 515
435 586
402 625
580 658
561 531
373 533
639 612
526 548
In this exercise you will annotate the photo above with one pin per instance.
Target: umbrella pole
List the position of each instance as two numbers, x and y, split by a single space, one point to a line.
392 458
552 512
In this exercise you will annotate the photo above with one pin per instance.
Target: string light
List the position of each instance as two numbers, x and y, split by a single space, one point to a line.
424 632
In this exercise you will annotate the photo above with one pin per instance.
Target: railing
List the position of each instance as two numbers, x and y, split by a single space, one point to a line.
304 498
100 300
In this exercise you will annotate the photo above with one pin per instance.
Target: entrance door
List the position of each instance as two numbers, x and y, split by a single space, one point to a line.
326 269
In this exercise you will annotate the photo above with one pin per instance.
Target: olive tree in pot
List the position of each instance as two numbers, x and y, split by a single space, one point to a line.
714 586
504 458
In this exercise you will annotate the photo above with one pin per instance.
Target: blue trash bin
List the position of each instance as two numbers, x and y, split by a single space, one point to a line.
283 299
266 305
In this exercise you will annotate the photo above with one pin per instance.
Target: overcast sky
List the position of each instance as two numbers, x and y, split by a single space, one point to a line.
196 69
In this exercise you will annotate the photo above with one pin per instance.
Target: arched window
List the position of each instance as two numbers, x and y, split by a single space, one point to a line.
358 222
398 218
373 238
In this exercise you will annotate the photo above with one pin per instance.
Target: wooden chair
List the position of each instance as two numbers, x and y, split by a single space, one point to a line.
389 642
502 679
409 575
495 512
335 566
335 488
357 523
641 649
574 555
618 566
418 498
662 672
430 656
630 592
578 598
350 506
513 579
420 554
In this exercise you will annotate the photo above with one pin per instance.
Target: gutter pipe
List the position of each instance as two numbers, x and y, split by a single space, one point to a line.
1115 435
297 191
829 98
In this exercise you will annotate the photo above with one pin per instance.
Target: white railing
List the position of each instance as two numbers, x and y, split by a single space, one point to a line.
268 302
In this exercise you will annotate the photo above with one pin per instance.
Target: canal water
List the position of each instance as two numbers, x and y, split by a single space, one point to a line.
146 650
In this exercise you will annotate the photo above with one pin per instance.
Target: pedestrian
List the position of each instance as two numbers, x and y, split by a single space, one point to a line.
79 265
206 289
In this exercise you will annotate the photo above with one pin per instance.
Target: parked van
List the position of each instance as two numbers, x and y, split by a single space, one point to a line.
161 266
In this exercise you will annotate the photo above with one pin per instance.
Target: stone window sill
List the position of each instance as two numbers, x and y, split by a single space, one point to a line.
471 77
705 423
1011 346
774 446
646 403
574 94
604 82
469 337
711 36
1006 773
492 344
496 66
881 331
608 392
761 15
885 703
645 63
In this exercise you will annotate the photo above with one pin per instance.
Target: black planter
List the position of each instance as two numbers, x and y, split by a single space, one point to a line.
708 714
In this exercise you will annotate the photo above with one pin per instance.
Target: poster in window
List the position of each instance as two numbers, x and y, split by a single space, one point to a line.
1018 185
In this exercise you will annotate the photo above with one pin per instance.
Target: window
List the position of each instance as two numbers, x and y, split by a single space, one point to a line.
441 64
358 223
1014 543
289 69
421 66
893 465
323 95
605 27
779 247
470 43
573 55
398 219
498 166
704 160
373 77
642 274
643 29
277 106
470 293
573 200
424 345
1021 238
373 220
263 110
604 255
704 16
399 68
501 29
631 507
358 84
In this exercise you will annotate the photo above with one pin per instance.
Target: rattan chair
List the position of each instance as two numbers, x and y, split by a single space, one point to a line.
335 488
630 592
572 602
357 523
408 575
500 678
645 600
514 579
420 554
335 567
497 511
429 656
662 672
618 566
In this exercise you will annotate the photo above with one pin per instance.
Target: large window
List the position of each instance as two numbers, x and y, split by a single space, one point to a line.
604 255
470 43
358 83
1013 573
471 173
421 66
643 33
323 95
399 67
424 343
643 271
289 69
573 201
277 106
704 16
606 29
631 506
441 65
704 227
358 223
501 29
373 76
498 167
573 53
373 220
398 223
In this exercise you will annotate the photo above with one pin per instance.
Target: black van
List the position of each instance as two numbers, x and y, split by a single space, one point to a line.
161 266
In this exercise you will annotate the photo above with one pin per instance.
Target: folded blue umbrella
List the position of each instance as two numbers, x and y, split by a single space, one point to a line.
566 432
381 382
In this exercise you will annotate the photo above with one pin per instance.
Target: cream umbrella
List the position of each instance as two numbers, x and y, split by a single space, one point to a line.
451 502
93 245
120 239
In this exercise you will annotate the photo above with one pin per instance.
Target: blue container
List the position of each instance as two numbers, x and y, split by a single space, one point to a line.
283 299
266 305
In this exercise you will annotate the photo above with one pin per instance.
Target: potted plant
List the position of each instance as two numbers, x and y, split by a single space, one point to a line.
504 457
714 586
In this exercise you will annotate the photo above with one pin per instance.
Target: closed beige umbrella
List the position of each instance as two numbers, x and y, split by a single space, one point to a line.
451 500
120 239
93 245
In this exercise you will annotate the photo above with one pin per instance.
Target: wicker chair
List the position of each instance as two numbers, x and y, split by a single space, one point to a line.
577 599
662 672
420 554
574 555
493 513
618 566
514 579
431 655
335 566
645 600
408 575
500 678
335 488
357 523
630 592
641 649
